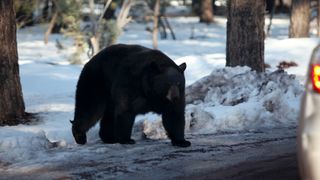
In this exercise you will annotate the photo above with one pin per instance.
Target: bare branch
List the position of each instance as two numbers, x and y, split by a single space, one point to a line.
104 10
49 30
123 18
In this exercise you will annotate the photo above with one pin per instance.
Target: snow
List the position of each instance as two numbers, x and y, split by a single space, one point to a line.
220 99
268 100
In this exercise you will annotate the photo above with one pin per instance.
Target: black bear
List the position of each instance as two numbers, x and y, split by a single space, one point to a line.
122 81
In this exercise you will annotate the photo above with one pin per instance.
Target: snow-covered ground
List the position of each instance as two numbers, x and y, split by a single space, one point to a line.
220 99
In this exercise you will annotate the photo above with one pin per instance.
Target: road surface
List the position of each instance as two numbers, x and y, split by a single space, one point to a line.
268 154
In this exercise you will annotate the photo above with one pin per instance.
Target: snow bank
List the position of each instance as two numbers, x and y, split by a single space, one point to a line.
17 144
238 99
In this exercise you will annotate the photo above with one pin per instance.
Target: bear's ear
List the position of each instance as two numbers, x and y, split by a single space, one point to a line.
183 66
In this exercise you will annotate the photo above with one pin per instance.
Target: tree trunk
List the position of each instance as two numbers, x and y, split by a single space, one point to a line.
196 7
271 9
123 18
155 24
206 11
45 10
245 34
300 18
11 101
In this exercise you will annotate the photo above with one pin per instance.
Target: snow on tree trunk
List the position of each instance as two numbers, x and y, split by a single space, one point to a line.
245 34
299 20
11 100
206 11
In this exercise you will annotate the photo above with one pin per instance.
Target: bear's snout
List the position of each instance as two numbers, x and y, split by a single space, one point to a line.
173 94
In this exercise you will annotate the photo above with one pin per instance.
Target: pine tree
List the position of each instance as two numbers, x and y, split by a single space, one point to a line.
11 101
245 34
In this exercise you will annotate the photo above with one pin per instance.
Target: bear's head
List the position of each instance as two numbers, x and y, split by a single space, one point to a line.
169 82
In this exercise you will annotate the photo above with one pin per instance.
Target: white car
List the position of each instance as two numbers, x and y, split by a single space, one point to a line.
309 123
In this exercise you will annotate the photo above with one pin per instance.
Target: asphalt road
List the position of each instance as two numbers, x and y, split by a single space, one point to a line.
268 154
276 168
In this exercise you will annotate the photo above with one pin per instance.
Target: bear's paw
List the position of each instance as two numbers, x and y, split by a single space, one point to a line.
181 143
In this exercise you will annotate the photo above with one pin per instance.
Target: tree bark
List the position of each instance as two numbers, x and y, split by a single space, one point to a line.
299 19
11 100
206 15
245 34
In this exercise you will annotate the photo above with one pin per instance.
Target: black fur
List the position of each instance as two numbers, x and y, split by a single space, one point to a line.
125 80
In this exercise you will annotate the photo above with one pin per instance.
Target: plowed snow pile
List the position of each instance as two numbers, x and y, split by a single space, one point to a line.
238 99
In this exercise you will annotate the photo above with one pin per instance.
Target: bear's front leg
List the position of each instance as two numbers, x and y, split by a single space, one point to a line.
107 126
173 122
124 120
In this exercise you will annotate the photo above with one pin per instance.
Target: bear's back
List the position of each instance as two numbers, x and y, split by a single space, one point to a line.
114 57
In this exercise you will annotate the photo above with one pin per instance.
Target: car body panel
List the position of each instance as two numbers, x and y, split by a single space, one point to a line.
309 127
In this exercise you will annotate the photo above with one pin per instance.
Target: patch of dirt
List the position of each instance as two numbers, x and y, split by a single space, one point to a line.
286 64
